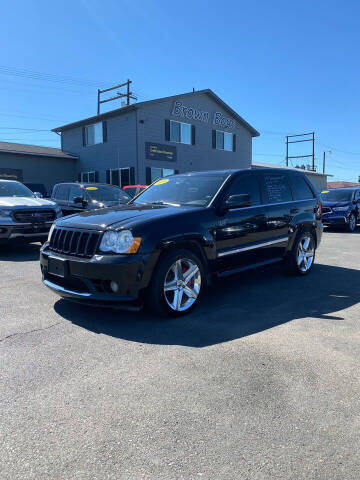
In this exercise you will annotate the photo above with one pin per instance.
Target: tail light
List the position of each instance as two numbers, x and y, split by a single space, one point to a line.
318 210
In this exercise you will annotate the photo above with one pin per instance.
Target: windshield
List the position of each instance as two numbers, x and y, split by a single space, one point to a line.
107 193
196 190
337 195
15 189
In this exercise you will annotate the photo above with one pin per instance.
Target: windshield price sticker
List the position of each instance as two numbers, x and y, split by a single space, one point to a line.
91 188
325 191
161 182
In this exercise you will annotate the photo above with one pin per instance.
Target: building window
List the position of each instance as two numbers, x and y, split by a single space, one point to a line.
224 141
180 132
88 177
119 176
153 174
93 134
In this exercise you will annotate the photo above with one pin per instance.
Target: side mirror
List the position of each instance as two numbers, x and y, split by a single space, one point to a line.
38 194
238 201
80 200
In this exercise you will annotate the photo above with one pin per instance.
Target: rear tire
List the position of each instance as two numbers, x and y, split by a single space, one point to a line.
176 285
300 260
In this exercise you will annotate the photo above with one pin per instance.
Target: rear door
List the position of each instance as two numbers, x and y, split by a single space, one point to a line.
241 231
61 196
280 209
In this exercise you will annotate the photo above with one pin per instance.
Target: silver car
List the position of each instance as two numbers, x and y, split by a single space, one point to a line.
23 215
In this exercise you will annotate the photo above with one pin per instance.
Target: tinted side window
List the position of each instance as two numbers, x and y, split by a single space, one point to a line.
75 191
300 188
62 192
247 184
357 196
277 189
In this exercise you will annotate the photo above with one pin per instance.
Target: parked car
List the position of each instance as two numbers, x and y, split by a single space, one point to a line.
37 188
166 246
134 190
341 207
23 216
77 197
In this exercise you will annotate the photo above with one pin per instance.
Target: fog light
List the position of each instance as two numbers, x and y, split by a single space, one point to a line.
114 286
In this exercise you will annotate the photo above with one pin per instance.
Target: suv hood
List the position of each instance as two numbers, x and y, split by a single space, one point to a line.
9 202
120 216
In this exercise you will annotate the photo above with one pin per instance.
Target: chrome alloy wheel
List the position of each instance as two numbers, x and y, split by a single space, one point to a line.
305 253
352 222
182 284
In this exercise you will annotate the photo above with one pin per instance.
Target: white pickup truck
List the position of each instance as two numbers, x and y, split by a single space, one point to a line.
23 215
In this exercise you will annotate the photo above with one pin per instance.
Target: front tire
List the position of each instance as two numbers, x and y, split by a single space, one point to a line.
351 226
176 284
300 260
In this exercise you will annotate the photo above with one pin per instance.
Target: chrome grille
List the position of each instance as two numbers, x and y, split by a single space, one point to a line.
34 216
80 243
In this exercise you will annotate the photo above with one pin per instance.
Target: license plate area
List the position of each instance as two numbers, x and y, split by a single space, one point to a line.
57 266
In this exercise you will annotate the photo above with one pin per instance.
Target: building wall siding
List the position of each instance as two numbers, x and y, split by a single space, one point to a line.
118 151
128 132
200 156
41 169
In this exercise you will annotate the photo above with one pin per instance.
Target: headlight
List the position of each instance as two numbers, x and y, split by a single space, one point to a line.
340 209
119 242
5 213
51 231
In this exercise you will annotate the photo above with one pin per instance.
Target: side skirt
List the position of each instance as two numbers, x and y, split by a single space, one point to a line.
233 271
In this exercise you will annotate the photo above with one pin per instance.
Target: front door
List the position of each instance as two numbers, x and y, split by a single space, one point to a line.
241 232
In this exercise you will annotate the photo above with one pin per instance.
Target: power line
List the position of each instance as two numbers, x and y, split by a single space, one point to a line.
26 129
48 77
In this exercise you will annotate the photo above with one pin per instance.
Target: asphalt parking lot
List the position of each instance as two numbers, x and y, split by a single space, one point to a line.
260 382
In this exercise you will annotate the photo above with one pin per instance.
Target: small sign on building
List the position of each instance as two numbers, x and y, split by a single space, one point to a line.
157 151
11 174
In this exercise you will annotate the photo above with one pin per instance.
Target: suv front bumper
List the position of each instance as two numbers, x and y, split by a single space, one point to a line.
24 231
336 218
89 280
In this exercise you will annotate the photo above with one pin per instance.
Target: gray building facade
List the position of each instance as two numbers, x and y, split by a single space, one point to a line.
36 165
143 141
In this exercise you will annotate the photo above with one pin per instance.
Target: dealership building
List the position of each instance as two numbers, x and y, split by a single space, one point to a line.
138 143
141 142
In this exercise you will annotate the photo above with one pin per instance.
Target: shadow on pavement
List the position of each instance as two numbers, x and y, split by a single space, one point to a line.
20 252
233 308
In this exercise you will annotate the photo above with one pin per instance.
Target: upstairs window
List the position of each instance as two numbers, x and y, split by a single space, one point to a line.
179 132
224 141
94 134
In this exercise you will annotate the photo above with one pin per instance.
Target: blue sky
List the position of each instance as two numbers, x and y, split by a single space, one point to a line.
286 67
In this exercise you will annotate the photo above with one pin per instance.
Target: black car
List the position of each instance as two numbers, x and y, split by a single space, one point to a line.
167 244
77 197
341 207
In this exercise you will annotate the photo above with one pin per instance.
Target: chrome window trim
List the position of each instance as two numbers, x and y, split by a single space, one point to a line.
271 204
254 246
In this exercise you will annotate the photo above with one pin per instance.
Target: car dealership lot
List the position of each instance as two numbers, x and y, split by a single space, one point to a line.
260 382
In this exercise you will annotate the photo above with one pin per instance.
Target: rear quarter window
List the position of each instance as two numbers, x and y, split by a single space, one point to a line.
300 188
276 188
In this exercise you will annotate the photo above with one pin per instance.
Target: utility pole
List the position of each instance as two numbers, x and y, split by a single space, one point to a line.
119 95
311 139
324 160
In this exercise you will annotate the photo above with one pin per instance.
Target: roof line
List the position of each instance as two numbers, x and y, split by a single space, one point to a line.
135 106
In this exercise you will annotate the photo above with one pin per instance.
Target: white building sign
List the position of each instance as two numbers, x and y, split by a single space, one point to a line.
217 119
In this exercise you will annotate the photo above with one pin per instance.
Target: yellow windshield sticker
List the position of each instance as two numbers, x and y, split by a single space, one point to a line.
161 182
91 188
325 191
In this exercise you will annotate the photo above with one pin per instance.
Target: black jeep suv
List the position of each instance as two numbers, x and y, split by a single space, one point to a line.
168 243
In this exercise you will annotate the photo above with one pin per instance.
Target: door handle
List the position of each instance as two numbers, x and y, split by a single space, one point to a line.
261 215
294 210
